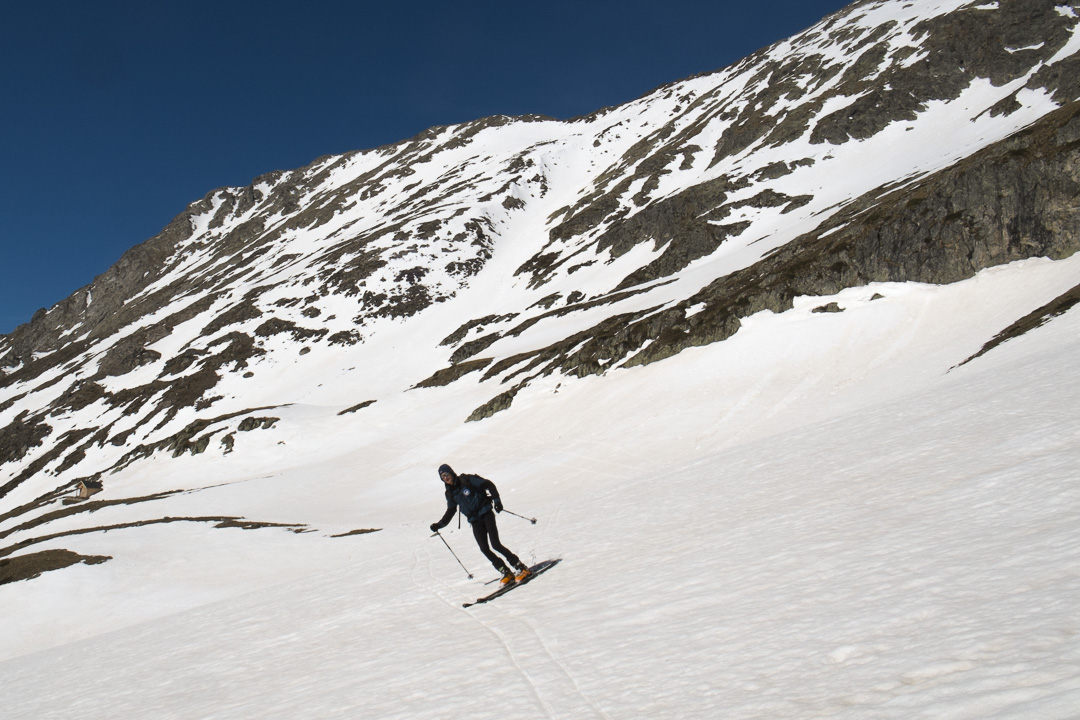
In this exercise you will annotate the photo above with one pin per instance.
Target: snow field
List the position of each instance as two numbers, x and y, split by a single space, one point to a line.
844 529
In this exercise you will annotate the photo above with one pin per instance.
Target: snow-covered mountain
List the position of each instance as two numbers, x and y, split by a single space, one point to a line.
781 347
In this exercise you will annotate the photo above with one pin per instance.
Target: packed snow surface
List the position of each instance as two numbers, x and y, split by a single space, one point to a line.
823 516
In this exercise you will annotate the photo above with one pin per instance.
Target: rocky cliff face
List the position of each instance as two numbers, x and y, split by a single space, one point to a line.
1016 199
893 141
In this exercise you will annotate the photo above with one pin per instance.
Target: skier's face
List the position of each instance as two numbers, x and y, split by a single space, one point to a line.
447 478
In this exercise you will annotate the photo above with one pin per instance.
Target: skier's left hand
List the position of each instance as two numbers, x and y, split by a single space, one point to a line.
497 503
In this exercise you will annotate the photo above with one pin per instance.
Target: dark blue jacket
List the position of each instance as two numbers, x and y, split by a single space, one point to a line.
472 493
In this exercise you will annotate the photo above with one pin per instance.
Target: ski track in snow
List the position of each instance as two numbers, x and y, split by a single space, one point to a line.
541 671
550 681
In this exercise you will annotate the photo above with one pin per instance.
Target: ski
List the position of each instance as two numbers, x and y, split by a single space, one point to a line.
535 570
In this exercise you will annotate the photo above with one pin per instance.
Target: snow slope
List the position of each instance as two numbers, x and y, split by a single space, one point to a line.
821 516
826 513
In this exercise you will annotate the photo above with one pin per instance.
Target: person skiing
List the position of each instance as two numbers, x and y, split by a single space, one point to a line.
476 497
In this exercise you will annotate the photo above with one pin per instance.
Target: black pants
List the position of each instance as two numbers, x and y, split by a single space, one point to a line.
485 530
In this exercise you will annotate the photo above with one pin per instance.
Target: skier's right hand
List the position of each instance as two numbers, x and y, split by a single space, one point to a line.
434 527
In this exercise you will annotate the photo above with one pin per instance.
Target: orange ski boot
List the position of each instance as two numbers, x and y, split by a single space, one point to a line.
523 572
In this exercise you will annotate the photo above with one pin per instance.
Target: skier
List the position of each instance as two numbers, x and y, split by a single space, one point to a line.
471 494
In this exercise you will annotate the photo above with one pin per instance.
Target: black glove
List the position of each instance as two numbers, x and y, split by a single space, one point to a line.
497 503
434 527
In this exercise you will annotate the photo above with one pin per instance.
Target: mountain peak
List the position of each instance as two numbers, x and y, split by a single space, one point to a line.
574 246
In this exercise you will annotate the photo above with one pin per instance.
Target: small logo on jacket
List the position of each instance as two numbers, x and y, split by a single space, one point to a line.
467 492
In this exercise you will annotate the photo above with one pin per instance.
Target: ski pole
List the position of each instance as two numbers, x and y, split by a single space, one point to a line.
454 554
532 520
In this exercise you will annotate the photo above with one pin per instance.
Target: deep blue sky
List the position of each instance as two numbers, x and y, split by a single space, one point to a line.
115 115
